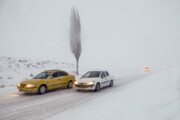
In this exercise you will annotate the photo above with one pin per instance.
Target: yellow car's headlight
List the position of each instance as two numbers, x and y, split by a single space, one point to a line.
90 83
30 85
18 85
76 82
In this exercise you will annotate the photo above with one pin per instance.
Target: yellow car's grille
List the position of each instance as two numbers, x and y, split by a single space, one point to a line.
22 85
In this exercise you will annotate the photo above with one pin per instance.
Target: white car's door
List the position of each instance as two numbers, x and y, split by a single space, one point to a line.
108 77
103 78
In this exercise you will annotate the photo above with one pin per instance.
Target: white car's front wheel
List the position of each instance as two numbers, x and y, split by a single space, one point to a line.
111 83
97 89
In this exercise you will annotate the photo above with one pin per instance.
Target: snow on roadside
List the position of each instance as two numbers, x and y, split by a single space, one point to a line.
14 70
155 97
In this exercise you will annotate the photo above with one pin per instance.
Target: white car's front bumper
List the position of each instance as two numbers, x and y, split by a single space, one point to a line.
85 87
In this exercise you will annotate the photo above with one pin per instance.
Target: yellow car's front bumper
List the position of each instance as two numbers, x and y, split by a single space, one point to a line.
28 90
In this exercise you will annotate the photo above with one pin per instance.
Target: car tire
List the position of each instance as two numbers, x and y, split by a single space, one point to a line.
70 84
42 89
111 83
98 87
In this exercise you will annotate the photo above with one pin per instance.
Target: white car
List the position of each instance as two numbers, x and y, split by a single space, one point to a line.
94 80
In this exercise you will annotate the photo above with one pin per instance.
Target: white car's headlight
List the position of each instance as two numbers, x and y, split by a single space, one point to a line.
30 85
90 83
76 82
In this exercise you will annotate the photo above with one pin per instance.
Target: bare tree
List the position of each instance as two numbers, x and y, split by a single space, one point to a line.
75 36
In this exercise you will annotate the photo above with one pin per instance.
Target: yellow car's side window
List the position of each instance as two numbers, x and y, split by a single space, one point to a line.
62 73
55 75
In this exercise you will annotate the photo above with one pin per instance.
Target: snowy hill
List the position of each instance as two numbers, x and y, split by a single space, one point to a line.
14 70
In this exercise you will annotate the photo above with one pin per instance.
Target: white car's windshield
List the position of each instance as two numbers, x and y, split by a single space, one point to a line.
91 74
42 75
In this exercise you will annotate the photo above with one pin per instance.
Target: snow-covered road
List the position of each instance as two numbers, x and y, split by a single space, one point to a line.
137 96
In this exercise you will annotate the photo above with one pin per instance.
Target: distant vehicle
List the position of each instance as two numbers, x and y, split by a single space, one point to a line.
47 80
147 69
164 66
94 80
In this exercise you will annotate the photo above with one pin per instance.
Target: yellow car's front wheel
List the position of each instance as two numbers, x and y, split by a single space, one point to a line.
42 89
70 84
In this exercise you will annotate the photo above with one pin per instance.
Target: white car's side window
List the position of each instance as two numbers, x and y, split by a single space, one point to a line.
107 74
103 75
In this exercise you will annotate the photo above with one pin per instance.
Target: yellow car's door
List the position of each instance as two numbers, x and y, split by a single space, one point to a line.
53 82
63 79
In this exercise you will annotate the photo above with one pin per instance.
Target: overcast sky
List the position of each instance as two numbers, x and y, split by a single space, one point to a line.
115 33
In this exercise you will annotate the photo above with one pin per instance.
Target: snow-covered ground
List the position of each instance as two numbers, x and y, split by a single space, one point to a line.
136 95
151 96
120 36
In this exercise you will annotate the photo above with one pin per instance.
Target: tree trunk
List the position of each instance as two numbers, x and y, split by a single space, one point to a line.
77 67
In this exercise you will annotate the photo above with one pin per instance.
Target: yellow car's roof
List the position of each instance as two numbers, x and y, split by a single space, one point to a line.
52 70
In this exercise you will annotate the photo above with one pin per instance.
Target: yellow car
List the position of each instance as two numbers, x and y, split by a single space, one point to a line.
47 80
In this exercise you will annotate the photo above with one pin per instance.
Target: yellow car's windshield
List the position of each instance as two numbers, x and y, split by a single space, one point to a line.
42 75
